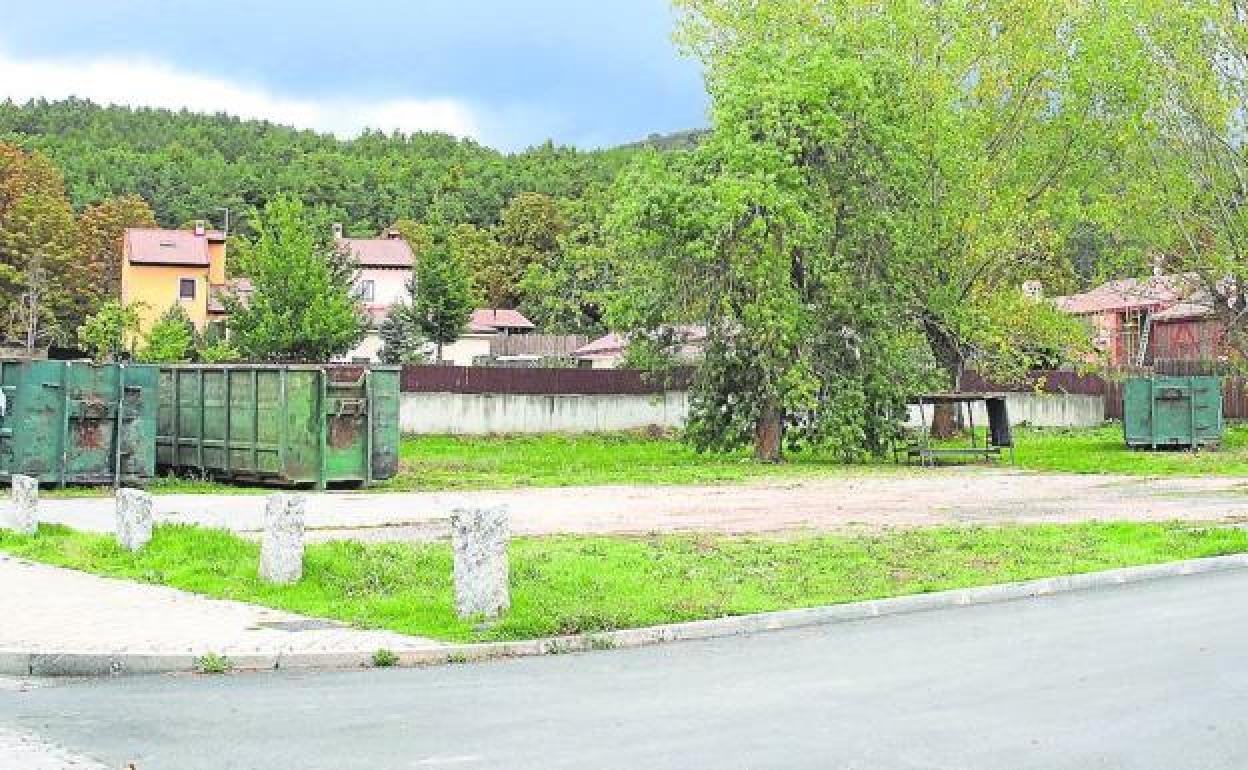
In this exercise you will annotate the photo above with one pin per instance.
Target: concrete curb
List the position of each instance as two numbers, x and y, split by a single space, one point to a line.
70 663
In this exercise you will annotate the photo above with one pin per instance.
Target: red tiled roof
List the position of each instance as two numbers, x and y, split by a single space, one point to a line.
687 336
608 344
489 320
149 246
1127 294
1185 311
380 252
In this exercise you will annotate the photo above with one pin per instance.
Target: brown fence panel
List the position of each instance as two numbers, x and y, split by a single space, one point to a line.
1234 389
486 379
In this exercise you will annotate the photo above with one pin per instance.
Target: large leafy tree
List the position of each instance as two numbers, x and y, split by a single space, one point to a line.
528 234
45 291
100 230
879 180
566 290
302 305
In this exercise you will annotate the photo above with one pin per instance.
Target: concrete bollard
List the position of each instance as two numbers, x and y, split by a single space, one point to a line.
134 518
479 538
281 549
23 515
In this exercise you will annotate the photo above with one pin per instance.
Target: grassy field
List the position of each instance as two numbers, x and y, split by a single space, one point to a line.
431 463
586 584
1101 450
500 462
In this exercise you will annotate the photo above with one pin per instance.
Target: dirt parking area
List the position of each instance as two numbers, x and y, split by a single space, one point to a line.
851 503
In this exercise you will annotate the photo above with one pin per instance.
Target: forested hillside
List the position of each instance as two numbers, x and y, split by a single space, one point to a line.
188 166
528 226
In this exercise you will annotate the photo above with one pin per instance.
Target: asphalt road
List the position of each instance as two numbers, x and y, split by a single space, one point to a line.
1153 675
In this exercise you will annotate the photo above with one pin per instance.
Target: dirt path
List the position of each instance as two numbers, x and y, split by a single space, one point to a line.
849 503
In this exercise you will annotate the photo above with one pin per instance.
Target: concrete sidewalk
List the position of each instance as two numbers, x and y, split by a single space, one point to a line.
61 622
855 501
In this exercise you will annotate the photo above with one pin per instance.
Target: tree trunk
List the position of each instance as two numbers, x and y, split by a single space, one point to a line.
769 436
944 420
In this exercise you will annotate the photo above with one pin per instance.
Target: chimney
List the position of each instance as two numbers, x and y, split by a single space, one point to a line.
199 227
337 229
1033 290
393 234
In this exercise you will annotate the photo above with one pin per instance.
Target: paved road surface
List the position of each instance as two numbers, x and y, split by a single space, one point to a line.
869 500
1152 675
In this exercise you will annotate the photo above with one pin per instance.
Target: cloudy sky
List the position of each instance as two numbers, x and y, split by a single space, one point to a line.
509 73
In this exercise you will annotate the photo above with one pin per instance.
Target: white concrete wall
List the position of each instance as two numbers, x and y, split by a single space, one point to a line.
477 414
480 414
1040 410
463 351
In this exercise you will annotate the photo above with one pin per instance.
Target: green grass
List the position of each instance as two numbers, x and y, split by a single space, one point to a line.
590 584
434 463
1102 450
552 460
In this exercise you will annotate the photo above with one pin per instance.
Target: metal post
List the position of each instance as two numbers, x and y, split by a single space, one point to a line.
121 405
368 428
322 429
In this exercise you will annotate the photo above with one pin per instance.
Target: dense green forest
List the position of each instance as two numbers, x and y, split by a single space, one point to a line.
189 166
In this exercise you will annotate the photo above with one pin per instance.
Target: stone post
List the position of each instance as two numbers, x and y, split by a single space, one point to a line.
479 538
134 518
23 517
281 549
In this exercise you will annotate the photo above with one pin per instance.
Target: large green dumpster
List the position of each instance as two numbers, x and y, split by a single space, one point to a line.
1172 412
291 425
72 422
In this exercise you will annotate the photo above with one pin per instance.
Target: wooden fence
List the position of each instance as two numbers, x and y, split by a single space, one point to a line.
1234 388
536 344
482 379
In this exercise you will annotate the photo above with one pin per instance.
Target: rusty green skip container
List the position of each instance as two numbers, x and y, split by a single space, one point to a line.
74 422
289 425
1184 412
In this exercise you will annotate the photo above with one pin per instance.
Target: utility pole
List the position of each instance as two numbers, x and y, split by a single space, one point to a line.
226 209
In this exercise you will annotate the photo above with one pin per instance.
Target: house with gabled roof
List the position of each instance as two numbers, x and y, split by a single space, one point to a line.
161 268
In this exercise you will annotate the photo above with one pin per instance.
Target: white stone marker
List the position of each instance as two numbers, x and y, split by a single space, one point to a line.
23 515
281 549
479 537
134 518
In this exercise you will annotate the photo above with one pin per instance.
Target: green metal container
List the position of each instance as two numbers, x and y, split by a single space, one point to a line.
1172 412
290 425
70 422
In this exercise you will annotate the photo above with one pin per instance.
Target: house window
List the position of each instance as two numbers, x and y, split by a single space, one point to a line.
368 291
186 288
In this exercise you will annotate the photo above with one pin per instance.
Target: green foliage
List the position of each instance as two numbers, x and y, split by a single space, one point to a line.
383 658
101 227
171 339
111 331
566 290
402 336
302 304
443 295
187 165
213 663
528 234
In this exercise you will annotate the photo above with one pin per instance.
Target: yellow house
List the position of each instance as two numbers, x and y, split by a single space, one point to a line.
161 268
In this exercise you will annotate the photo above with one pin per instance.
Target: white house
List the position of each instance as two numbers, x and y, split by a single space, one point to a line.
485 324
385 267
